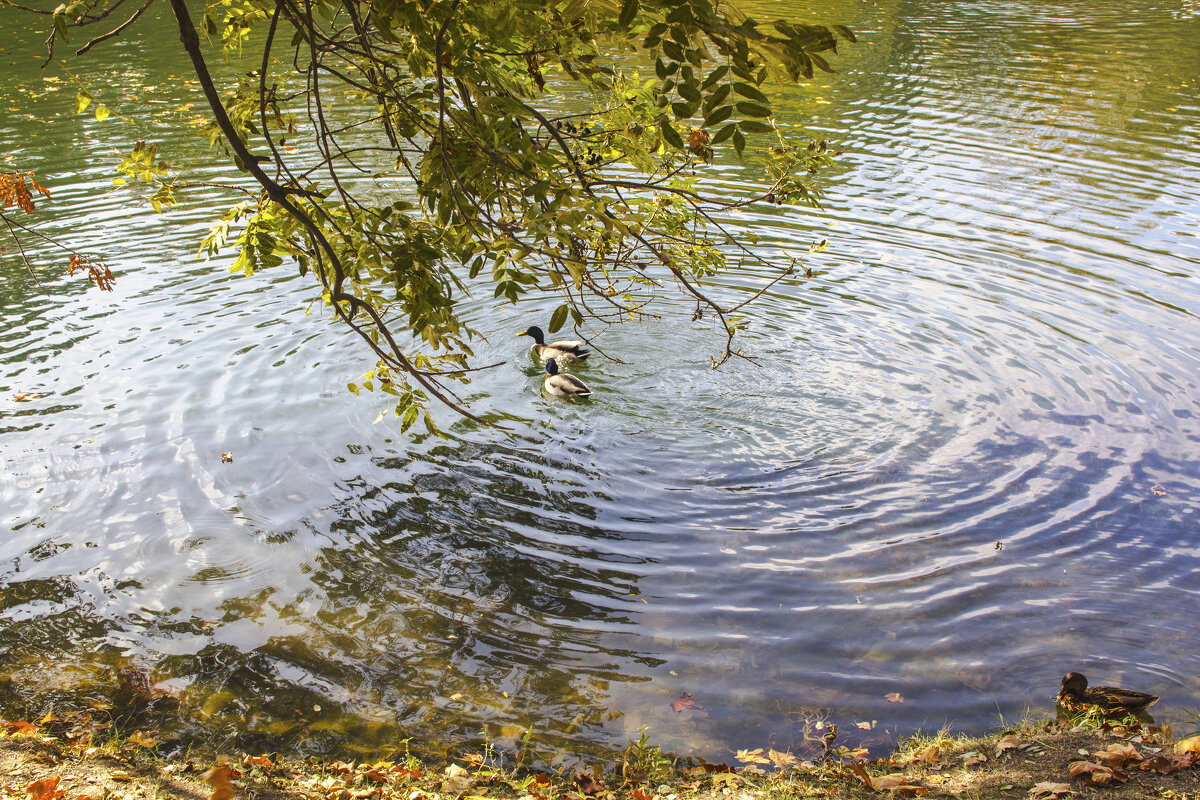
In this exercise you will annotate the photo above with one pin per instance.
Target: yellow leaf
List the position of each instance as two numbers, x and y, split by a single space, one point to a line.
754 756
1189 745
102 112
782 760
724 777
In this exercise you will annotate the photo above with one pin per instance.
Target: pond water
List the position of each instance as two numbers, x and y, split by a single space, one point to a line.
966 461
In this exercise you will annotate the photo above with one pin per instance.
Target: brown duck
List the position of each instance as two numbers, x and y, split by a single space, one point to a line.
1077 698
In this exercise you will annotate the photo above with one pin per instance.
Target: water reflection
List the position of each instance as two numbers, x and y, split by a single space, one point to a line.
999 347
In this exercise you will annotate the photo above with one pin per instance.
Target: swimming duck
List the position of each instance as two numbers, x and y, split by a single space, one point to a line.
563 385
564 352
1076 697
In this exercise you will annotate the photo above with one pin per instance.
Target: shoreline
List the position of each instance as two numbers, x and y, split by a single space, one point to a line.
1037 758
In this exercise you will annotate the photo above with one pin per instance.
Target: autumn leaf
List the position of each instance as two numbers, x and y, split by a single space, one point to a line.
930 755
686 701
860 772
1166 763
894 697
227 457
140 739
866 726
783 760
1046 790
898 784
754 756
218 778
45 789
730 778
587 782
20 728
1118 754
637 794
1007 743
1094 774
1189 745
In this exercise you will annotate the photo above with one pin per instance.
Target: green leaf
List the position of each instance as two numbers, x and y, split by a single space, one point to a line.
846 32
715 76
720 115
754 126
628 11
673 50
739 142
670 134
724 133
689 93
681 110
716 98
746 90
558 318
410 416
753 110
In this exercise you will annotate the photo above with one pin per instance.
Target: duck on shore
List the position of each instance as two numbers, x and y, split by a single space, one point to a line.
1077 698
564 352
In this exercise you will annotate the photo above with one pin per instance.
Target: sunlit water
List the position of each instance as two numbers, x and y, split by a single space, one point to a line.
966 460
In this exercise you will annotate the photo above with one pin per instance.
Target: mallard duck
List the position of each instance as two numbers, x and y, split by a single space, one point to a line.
563 385
1077 697
564 352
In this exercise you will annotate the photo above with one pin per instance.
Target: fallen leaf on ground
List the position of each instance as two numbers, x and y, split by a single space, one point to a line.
1094 774
782 760
1118 754
141 740
45 789
860 772
754 756
730 778
930 755
587 783
218 778
686 701
1048 789
1007 743
898 784
1166 763
1189 745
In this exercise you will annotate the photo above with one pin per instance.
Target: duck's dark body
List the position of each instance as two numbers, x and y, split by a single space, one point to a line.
1076 697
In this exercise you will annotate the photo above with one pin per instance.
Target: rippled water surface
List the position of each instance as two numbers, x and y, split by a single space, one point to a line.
966 460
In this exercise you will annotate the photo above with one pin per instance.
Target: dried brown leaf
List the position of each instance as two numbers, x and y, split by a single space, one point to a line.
894 697
1049 789
45 789
218 778
1118 754
754 756
1008 742
898 784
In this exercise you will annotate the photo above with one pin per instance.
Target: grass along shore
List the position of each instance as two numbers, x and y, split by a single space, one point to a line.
1038 759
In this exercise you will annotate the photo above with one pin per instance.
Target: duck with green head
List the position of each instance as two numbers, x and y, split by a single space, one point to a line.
564 352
